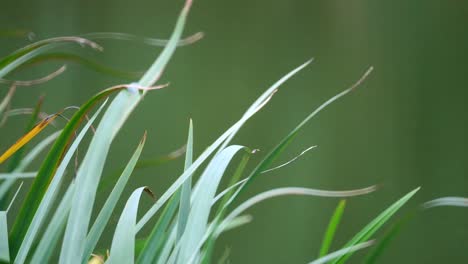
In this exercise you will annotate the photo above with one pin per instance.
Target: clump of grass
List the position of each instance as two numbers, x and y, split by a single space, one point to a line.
191 215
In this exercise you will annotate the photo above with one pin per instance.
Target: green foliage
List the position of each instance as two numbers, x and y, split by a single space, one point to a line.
186 235
331 229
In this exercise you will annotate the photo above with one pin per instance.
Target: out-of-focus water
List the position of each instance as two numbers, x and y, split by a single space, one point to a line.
405 127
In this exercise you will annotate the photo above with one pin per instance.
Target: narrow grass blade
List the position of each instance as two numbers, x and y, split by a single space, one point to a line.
290 161
203 195
446 201
155 71
145 40
383 243
51 236
17 58
17 175
289 191
36 81
123 243
106 211
157 237
168 246
218 226
376 224
342 252
4 247
6 100
50 195
331 229
186 191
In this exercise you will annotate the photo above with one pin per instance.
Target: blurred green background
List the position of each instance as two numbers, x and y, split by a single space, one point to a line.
405 127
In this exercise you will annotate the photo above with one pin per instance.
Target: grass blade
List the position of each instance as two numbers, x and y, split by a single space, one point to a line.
376 224
123 243
17 58
106 211
186 191
50 238
378 250
6 100
331 229
341 252
289 191
17 175
446 201
4 247
145 40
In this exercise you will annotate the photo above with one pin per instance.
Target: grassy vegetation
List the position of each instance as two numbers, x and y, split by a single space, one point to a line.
54 222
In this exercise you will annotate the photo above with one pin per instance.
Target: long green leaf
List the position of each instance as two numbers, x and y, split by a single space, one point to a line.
17 175
446 201
158 234
341 252
50 195
91 168
106 211
186 191
4 247
51 236
19 57
383 243
376 224
331 229
123 243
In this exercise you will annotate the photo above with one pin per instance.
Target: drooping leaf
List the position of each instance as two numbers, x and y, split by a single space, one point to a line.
4 247
123 242
342 252
23 55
